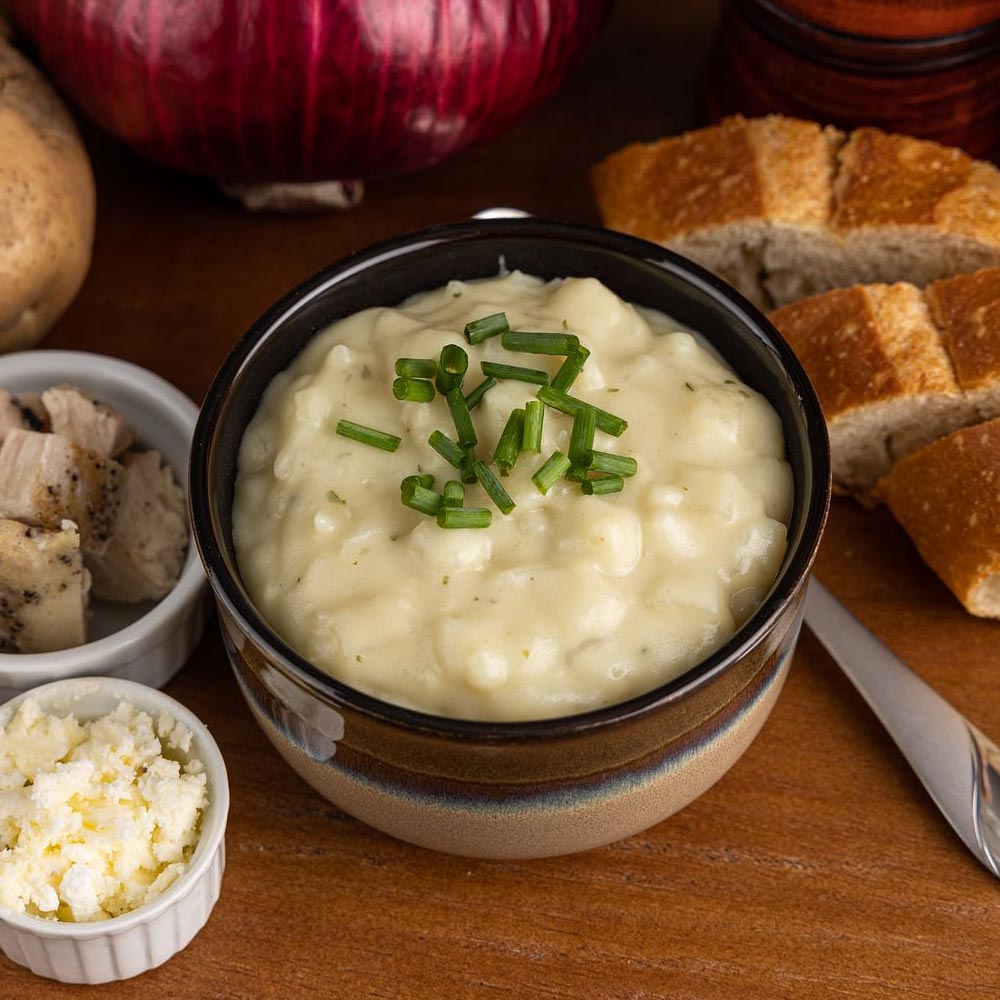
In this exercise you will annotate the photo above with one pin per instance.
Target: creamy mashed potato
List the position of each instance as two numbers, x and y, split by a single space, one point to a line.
571 602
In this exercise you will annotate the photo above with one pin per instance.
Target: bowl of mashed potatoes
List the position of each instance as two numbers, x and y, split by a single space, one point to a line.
508 523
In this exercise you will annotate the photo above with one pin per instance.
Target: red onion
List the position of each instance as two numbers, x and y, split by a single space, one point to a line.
304 90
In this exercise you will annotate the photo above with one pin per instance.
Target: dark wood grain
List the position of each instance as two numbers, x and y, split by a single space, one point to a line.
815 868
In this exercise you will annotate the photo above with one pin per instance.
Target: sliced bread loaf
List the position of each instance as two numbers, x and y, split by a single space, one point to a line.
783 208
881 373
946 497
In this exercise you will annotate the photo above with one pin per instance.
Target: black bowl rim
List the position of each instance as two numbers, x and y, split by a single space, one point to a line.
783 590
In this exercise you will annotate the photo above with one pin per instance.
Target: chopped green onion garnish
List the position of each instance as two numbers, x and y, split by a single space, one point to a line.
368 435
555 467
425 479
603 461
454 493
493 487
460 415
416 367
509 445
565 403
570 368
489 326
474 397
534 414
540 343
446 448
452 366
464 517
414 494
602 485
465 469
413 390
533 375
581 438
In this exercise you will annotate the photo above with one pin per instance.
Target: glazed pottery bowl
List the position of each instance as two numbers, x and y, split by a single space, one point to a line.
517 789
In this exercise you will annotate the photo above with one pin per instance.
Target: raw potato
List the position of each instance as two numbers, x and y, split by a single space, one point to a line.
46 204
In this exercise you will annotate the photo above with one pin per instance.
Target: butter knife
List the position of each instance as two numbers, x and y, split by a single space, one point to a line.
958 765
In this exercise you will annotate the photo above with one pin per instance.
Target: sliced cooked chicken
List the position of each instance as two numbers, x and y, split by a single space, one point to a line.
43 588
149 538
20 413
86 422
45 478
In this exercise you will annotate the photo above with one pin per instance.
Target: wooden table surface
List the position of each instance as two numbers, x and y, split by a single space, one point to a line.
816 867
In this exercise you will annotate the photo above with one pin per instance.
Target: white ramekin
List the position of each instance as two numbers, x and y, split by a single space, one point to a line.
135 942
142 642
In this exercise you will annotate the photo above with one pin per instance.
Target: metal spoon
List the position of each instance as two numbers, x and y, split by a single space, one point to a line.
957 764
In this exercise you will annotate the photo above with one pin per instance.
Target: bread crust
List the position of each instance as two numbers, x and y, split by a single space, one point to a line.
866 345
888 179
946 497
966 310
773 168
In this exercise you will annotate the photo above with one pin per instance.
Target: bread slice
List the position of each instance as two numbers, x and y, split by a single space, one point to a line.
883 378
966 310
946 497
912 210
724 195
782 208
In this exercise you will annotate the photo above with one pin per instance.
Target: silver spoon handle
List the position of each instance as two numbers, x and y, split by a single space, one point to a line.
955 762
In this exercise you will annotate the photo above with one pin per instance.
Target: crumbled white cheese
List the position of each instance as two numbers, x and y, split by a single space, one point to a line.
97 817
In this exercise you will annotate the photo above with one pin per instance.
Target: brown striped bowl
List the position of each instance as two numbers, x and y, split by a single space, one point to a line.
518 789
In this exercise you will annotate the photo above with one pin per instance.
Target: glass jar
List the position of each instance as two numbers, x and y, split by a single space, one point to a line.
768 57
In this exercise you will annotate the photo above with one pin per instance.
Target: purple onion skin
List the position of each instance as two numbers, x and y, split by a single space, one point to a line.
306 90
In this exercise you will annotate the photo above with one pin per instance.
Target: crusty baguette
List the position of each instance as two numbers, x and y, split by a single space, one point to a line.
896 367
966 310
783 208
881 373
946 496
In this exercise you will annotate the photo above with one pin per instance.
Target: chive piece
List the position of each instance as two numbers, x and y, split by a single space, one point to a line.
454 493
424 479
465 469
416 367
446 448
534 414
464 517
509 444
602 485
474 397
452 366
555 467
603 461
489 326
493 487
368 435
460 415
581 438
558 400
570 368
415 494
413 390
540 343
515 372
